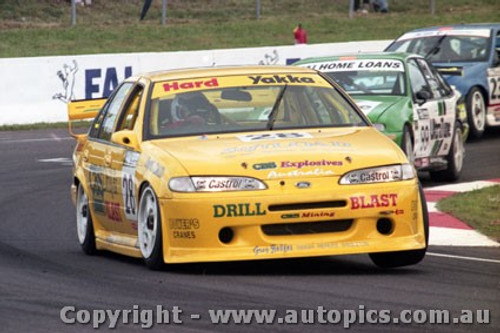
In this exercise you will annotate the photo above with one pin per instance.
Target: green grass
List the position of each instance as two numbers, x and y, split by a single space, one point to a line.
43 125
480 208
42 27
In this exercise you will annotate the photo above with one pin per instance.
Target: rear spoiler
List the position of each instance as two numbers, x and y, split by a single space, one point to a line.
450 70
83 109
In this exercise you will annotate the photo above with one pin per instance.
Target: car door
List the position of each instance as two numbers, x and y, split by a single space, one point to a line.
124 162
101 172
429 112
444 119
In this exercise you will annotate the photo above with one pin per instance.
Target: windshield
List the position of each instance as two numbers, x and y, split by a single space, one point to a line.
365 76
446 48
371 82
246 103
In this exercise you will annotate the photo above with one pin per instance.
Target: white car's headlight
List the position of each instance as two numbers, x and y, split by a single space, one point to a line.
389 173
215 184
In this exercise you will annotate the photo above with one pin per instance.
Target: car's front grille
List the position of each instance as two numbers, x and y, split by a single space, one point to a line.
308 205
303 228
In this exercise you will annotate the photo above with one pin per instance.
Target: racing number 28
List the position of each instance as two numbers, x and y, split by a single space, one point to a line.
128 188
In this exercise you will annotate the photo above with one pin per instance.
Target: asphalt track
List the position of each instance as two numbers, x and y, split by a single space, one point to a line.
42 268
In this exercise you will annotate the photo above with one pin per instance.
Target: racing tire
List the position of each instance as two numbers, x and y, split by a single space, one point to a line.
84 224
149 229
407 144
476 112
405 258
455 159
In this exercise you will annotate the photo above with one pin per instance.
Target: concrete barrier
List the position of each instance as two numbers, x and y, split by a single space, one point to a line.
36 89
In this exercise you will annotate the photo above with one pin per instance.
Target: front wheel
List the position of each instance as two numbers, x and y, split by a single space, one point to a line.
455 159
476 112
149 229
405 258
407 144
84 225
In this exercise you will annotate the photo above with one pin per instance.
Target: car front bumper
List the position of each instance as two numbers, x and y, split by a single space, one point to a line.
292 223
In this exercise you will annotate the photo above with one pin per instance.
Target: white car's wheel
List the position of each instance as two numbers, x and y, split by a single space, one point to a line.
149 229
476 112
455 159
84 226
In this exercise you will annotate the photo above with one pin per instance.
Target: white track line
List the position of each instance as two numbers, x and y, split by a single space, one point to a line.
462 257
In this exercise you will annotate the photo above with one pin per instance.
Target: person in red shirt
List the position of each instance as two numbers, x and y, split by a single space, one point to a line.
300 35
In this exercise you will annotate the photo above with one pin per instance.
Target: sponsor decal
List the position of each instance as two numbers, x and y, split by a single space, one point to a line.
155 167
270 59
374 201
317 214
283 79
376 176
264 166
184 234
273 136
106 85
172 86
272 249
299 173
330 245
290 216
308 163
113 211
131 158
184 223
357 65
184 227
96 185
287 146
235 210
228 184
440 130
308 215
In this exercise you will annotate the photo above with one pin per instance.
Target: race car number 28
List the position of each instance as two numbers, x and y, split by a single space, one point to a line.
129 196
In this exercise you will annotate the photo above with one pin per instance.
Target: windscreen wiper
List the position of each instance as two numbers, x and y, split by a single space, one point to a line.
274 112
435 48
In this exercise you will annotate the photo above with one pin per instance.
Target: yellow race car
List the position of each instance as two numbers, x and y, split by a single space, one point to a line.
241 163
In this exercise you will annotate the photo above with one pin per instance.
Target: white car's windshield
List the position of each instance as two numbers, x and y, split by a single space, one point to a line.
229 104
453 48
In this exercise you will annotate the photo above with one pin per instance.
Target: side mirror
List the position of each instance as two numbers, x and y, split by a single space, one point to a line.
423 96
126 138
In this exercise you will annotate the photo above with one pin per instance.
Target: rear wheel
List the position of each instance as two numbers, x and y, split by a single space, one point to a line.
84 225
149 229
476 112
405 258
455 159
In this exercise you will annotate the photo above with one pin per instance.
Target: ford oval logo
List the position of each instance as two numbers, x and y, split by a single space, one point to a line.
302 185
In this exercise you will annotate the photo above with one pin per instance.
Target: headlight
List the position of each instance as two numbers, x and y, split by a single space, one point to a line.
380 127
389 173
215 184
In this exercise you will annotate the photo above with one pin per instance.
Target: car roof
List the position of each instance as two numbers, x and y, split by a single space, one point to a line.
187 73
461 26
403 56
